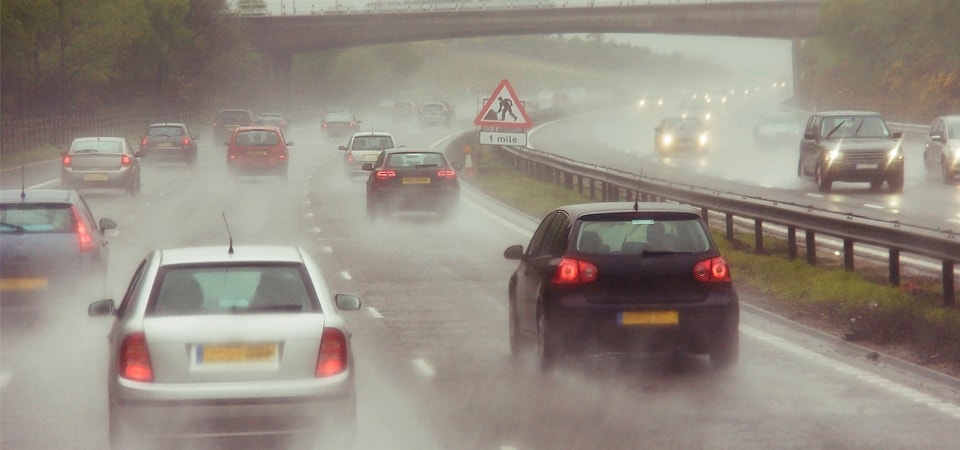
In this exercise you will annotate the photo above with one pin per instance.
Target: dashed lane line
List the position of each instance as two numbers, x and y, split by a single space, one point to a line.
373 312
346 275
424 368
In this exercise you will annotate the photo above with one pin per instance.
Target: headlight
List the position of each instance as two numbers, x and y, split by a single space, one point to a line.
956 154
707 116
832 155
895 153
703 139
666 139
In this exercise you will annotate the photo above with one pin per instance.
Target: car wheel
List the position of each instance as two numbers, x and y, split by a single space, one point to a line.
725 352
896 181
134 187
517 343
547 348
823 183
120 435
876 185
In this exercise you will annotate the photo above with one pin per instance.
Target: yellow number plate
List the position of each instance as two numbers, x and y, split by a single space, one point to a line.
214 354
96 177
22 284
257 153
416 180
649 318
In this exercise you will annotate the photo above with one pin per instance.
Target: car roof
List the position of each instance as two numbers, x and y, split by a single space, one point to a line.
372 133
258 128
393 151
168 124
579 210
233 110
848 113
241 254
98 138
38 195
951 118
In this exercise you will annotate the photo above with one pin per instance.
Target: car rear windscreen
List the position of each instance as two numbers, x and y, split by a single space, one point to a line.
637 236
37 218
234 289
94 146
233 117
165 131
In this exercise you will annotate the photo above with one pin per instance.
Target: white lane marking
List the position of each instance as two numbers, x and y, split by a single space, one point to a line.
309 214
308 202
811 194
846 369
507 447
373 312
5 379
868 205
44 184
315 229
326 249
953 220
346 275
496 218
424 368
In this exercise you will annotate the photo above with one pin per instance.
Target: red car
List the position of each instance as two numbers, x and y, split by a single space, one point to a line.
258 150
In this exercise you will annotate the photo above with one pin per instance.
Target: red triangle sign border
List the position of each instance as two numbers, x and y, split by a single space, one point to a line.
524 123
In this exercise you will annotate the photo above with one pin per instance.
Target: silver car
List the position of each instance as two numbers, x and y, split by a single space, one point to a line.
942 148
211 342
101 162
363 148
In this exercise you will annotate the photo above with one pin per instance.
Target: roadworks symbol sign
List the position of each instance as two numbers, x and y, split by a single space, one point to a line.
503 109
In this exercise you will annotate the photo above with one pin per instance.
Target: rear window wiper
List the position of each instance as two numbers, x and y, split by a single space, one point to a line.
276 308
424 166
663 253
86 150
18 228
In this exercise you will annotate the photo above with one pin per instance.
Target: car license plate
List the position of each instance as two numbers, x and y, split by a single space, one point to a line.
630 318
96 177
416 180
866 166
22 284
164 144
257 153
236 353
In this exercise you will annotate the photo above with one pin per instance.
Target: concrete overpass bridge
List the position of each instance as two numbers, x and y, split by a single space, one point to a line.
281 36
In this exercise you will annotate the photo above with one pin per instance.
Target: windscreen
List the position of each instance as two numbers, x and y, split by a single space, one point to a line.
418 160
165 131
96 146
854 127
37 218
638 236
339 117
257 137
231 290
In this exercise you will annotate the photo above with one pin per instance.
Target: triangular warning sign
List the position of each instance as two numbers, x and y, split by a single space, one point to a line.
503 109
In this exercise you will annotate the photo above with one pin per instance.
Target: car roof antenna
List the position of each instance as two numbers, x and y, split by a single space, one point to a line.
636 201
227 225
23 184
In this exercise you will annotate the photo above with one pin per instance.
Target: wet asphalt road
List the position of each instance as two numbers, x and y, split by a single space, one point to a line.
431 348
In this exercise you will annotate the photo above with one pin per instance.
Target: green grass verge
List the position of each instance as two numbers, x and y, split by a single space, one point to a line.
858 303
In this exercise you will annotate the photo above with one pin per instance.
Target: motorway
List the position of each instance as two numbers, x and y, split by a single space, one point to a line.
434 370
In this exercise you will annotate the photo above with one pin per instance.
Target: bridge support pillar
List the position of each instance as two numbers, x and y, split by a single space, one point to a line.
281 67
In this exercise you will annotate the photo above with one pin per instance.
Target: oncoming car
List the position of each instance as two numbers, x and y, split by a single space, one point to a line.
680 135
212 342
622 277
778 129
942 149
101 162
258 150
408 179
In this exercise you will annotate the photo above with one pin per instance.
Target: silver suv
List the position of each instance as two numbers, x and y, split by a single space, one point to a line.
851 146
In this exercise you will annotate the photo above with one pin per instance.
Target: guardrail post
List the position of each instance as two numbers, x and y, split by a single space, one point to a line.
811 247
792 242
757 236
894 267
848 254
949 291
729 224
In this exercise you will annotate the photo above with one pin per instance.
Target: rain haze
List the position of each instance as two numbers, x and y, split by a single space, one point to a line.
442 353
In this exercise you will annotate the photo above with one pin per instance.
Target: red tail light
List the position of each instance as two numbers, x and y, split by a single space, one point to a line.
384 175
185 141
333 353
67 160
84 237
323 124
443 173
350 157
574 271
133 362
125 160
143 142
352 124
713 270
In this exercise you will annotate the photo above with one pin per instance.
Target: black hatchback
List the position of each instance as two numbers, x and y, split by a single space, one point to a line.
625 278
405 179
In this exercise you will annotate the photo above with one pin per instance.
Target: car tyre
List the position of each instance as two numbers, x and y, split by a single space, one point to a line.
823 182
725 352
134 187
548 350
121 438
896 181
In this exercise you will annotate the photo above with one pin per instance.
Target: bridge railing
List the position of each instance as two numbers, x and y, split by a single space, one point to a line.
306 7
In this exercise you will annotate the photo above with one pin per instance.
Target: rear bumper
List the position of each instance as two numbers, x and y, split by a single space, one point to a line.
415 199
169 154
97 178
257 166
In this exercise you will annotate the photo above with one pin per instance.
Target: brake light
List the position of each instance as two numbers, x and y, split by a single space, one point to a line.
574 271
143 142
67 160
384 175
185 141
323 124
713 270
444 173
133 363
125 160
350 157
84 237
352 124
332 358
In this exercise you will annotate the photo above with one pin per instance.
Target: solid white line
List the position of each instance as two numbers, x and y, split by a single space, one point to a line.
315 229
424 368
496 218
309 214
868 205
326 249
811 194
346 275
44 184
373 312
5 379
846 369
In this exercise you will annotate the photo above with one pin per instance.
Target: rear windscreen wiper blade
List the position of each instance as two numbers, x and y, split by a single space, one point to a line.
15 227
280 308
86 150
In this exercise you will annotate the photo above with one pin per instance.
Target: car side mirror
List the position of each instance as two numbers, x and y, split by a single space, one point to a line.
107 224
367 167
809 136
347 301
343 147
896 135
457 166
101 308
513 252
